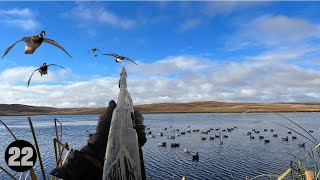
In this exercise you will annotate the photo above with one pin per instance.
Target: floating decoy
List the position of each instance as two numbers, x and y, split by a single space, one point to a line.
171 137
160 134
149 132
216 136
162 144
186 150
94 50
311 131
294 137
285 139
188 131
211 138
33 42
188 126
203 138
266 141
120 58
251 137
198 130
275 135
147 128
261 137
177 134
257 132
177 130
217 129
253 129
229 130
271 130
43 70
211 129
152 136
183 133
225 136
204 132
208 130
223 130
289 132
235 127
265 130
195 157
302 145
249 133
164 128
175 145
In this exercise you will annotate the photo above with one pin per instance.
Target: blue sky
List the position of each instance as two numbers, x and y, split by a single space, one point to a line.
186 51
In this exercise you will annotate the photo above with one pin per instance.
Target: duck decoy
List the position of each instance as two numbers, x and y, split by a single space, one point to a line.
194 130
147 128
162 144
198 130
94 50
187 150
177 130
188 126
43 70
120 58
285 139
217 129
223 130
229 130
294 137
235 127
311 131
171 137
149 132
253 129
203 138
266 141
211 129
249 133
33 42
225 136
183 133
265 130
160 134
275 135
211 138
175 145
257 132
177 134
195 157
261 137
251 137
216 136
271 130
289 132
302 145
164 128
188 131
152 136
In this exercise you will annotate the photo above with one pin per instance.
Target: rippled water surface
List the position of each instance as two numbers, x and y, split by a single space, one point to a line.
238 155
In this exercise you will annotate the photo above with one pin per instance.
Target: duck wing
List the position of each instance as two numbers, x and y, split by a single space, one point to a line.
25 39
55 44
112 54
58 66
31 76
125 58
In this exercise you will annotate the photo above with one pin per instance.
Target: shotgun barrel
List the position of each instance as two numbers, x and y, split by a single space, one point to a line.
122 160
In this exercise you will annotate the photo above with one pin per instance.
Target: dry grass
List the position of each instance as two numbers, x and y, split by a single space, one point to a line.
193 107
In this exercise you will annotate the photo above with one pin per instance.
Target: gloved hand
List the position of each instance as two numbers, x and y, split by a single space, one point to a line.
140 128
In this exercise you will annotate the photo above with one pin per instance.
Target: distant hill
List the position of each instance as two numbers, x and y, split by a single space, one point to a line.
193 107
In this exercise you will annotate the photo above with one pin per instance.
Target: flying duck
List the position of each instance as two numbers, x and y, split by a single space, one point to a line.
120 58
33 42
43 70
94 50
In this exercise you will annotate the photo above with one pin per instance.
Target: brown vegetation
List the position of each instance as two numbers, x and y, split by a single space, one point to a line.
194 107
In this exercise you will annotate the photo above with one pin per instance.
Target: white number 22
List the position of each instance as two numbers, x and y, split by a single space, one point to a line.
15 151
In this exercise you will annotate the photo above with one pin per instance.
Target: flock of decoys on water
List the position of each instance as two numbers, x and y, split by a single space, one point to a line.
195 156
220 135
274 135
32 43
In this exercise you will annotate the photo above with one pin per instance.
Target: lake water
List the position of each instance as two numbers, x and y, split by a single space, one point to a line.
238 154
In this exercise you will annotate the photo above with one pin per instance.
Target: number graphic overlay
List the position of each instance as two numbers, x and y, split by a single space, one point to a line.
20 156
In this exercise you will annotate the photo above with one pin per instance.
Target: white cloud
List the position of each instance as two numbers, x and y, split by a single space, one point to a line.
248 81
22 18
275 30
92 15
190 24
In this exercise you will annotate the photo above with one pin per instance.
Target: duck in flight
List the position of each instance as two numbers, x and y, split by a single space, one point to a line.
94 50
120 58
43 70
33 42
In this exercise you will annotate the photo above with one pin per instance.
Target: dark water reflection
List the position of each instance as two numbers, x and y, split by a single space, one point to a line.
238 154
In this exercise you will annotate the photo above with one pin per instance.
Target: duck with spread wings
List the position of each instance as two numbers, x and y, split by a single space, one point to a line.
33 42
43 70
120 58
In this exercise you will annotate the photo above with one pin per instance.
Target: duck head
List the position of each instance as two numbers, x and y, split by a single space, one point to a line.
43 33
